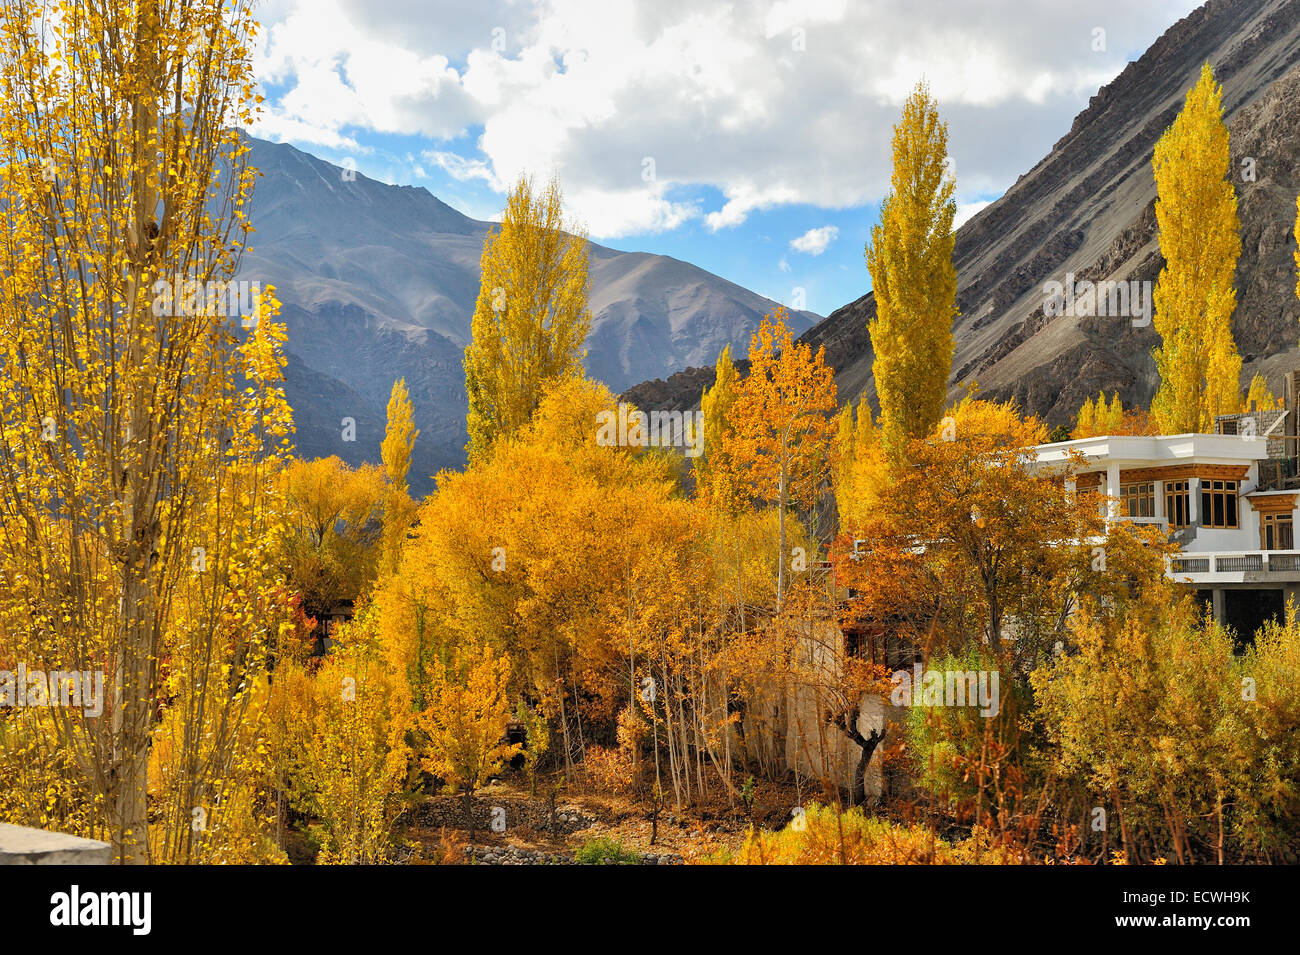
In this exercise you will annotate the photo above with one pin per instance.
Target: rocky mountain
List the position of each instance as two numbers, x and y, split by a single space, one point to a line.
1088 208
379 282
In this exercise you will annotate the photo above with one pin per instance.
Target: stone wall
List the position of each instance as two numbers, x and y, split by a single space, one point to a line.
20 845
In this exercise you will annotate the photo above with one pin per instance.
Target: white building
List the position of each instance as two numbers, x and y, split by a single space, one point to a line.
1228 500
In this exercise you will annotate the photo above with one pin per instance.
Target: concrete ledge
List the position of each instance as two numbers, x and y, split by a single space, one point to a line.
22 846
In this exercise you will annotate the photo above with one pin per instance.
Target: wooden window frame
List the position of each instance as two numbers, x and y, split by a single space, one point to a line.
1143 492
1275 521
1174 491
1221 504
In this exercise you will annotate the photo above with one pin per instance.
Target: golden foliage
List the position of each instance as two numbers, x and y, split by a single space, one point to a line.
1259 397
333 530
399 441
1097 419
1196 209
822 836
344 748
531 317
963 535
466 719
778 433
913 280
140 421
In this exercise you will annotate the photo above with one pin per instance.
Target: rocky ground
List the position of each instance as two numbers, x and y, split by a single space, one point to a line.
513 827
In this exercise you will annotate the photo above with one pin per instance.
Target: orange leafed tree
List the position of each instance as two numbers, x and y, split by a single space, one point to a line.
966 534
466 721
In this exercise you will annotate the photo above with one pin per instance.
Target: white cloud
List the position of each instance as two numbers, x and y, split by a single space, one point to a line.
766 104
815 241
278 127
462 169
613 213
967 210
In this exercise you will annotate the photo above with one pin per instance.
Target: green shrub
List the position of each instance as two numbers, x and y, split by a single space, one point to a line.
606 850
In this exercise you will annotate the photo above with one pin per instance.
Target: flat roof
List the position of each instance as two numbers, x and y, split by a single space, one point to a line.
1158 449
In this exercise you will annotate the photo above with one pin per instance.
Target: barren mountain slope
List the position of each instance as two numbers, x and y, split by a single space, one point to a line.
1087 209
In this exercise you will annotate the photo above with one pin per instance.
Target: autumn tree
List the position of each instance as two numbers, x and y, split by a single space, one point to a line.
333 530
1196 210
780 430
966 538
855 450
1097 418
587 609
713 475
537 740
968 550
531 316
913 279
1139 685
466 721
1259 397
399 441
346 748
125 180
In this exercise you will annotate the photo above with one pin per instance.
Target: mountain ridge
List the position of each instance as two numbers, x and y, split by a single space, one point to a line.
1087 207
379 281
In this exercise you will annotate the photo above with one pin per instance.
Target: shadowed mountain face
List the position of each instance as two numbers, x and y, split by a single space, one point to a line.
379 282
1088 209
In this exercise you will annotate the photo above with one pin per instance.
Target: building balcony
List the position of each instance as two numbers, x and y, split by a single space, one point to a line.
1236 567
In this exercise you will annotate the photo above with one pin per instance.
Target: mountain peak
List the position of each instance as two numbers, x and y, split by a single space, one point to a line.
379 281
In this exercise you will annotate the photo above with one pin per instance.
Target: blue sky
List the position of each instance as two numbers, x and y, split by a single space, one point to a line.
751 139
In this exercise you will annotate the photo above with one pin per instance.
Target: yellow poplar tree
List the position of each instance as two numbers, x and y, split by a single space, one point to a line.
466 721
845 439
714 478
780 432
123 400
1085 425
857 445
1260 398
1099 418
395 452
912 276
531 317
1196 210
866 427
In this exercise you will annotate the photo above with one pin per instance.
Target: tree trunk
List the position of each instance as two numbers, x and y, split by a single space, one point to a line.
848 722
780 564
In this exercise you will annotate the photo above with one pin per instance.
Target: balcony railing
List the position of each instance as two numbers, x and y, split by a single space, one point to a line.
1226 564
1236 562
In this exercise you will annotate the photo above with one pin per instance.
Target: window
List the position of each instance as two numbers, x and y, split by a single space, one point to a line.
1276 531
1218 503
1177 504
1138 500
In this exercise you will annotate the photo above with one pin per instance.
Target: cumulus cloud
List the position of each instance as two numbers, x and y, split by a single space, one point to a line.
763 104
815 241
967 210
